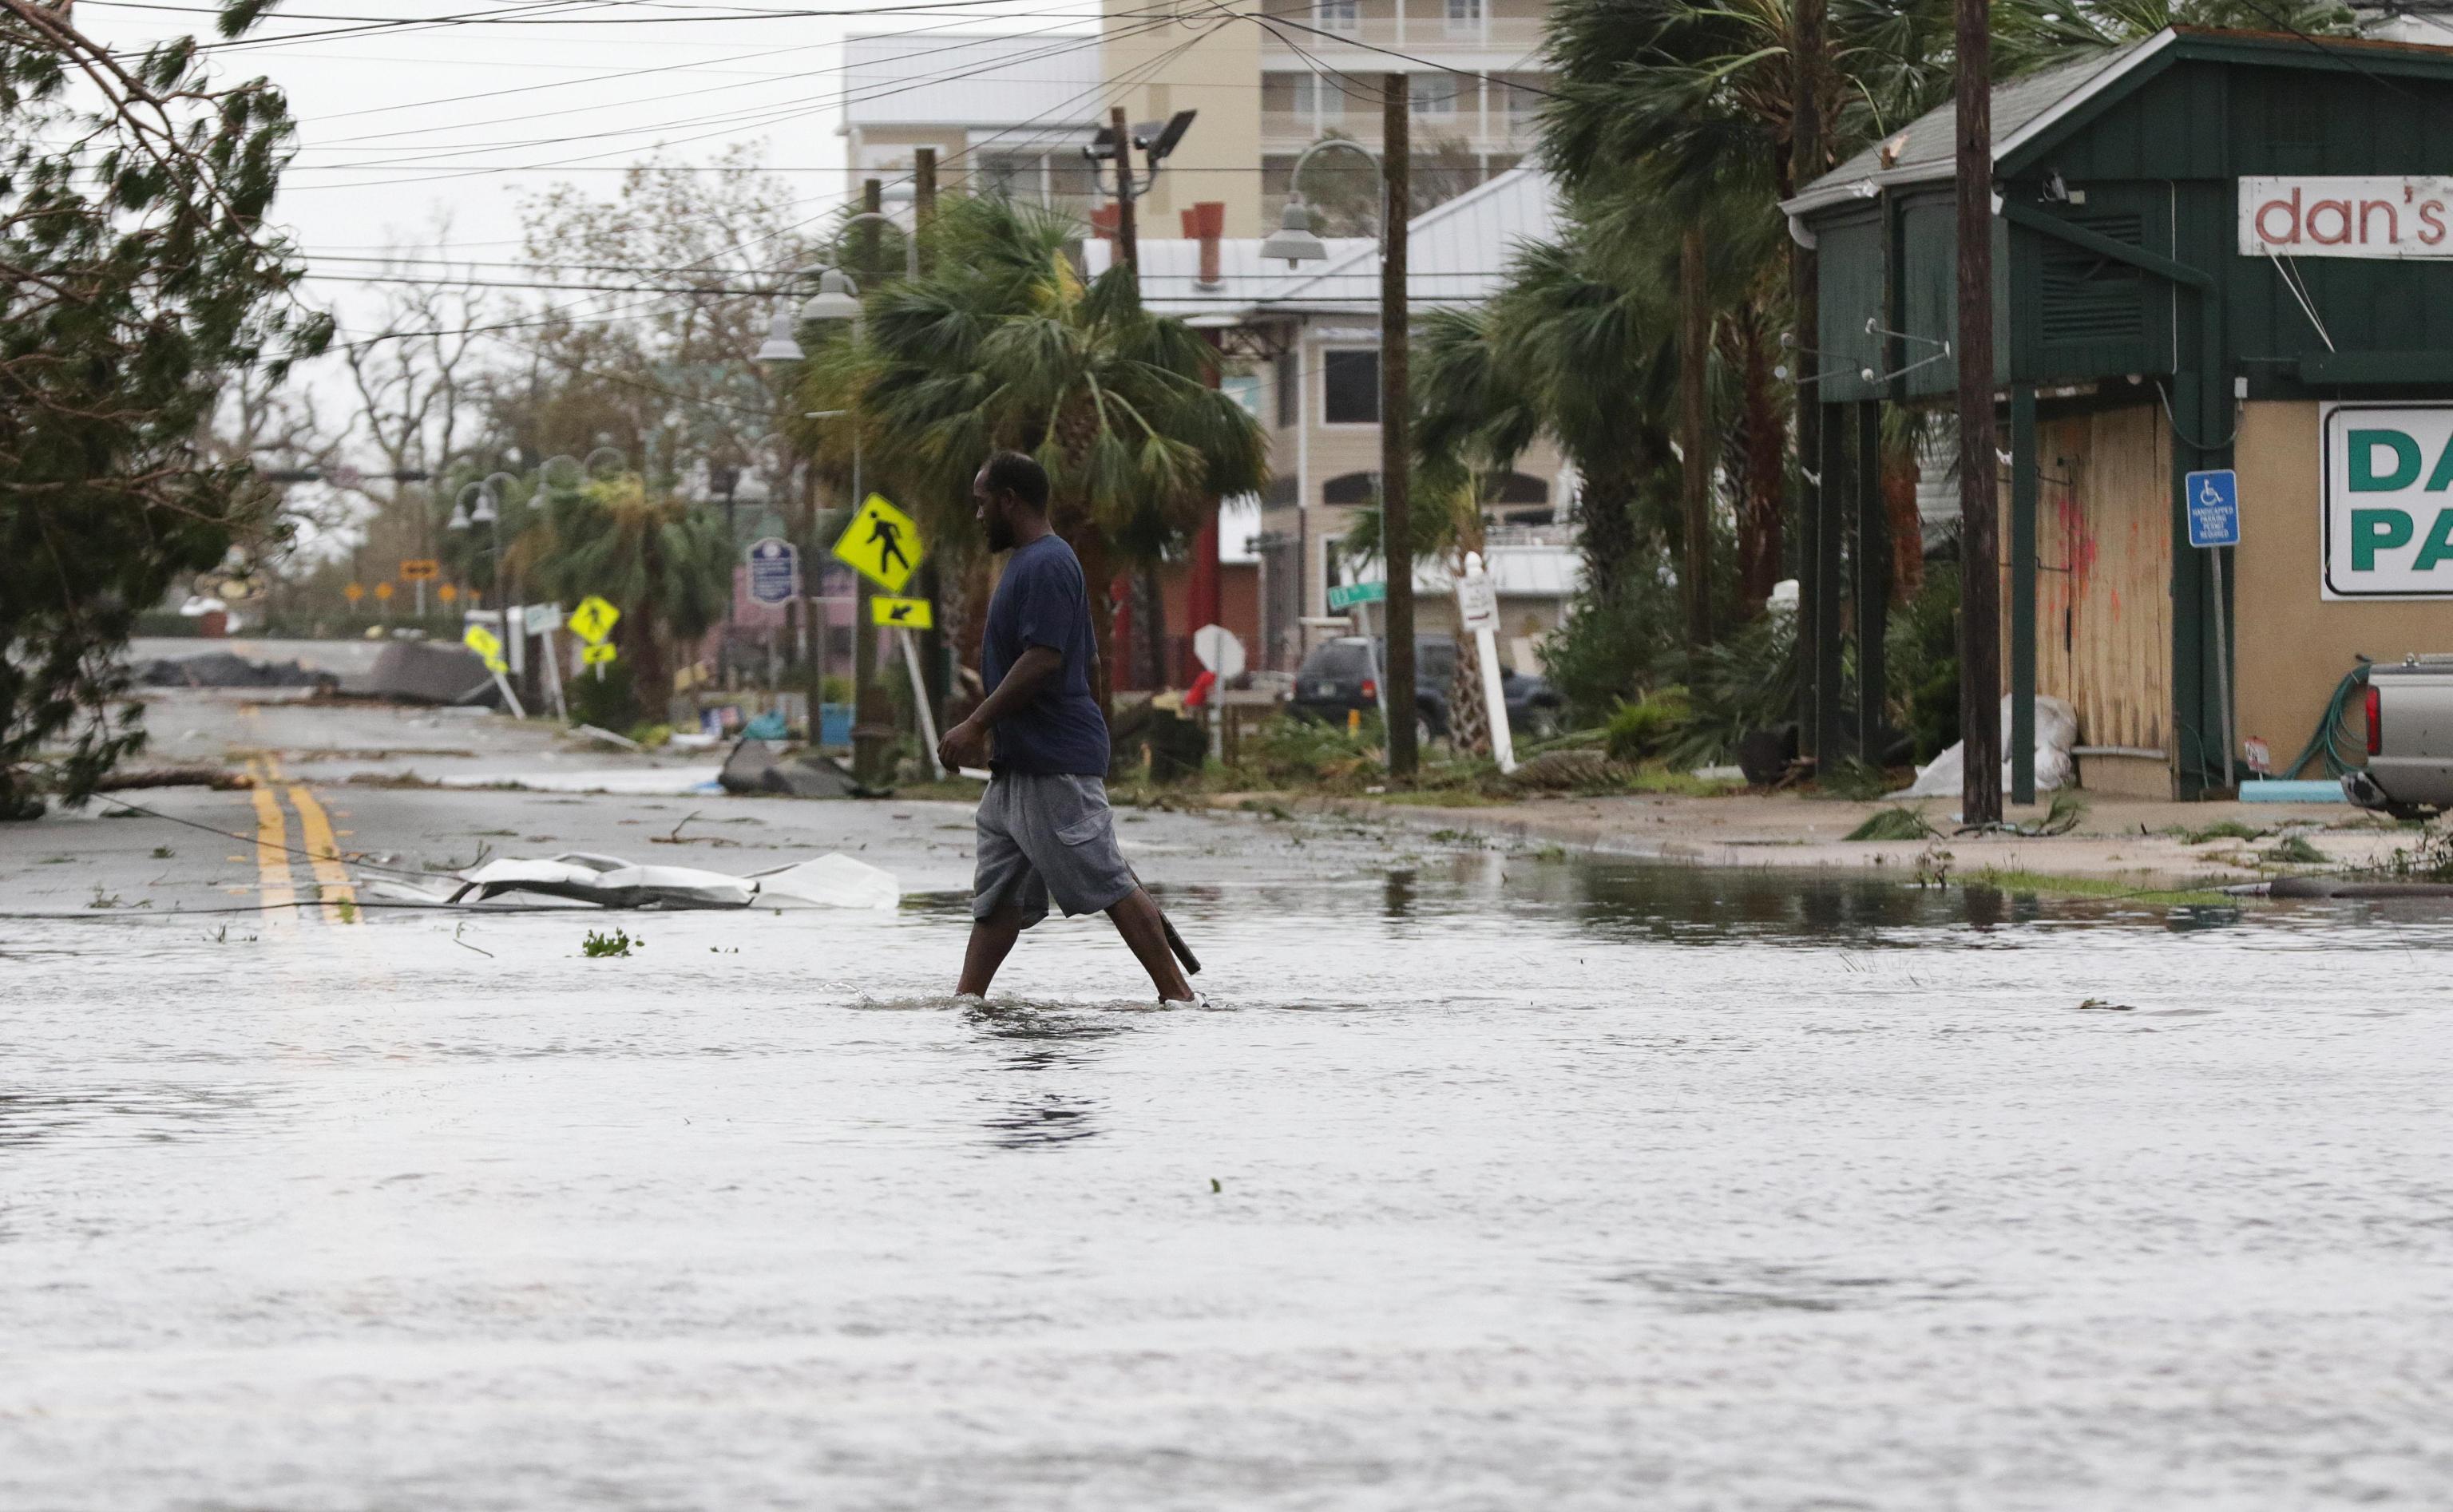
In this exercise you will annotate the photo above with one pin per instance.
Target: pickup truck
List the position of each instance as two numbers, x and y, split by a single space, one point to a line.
2409 711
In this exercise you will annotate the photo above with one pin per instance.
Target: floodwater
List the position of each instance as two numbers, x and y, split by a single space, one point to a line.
1492 1182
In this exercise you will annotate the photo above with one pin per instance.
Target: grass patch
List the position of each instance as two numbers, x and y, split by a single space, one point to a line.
1436 798
2222 829
2294 850
2053 885
954 790
1655 778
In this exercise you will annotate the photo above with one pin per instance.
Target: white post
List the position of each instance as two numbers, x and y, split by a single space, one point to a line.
1478 607
920 701
553 678
509 697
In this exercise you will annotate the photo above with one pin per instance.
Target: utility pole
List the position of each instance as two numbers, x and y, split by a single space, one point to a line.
939 666
1695 335
1979 587
1805 166
1127 242
1396 516
872 721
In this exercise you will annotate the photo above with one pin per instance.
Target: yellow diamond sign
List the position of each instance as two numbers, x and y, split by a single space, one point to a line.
882 544
910 614
593 620
487 645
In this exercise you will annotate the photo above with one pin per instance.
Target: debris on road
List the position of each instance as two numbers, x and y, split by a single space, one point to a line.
427 672
832 881
214 777
228 670
768 766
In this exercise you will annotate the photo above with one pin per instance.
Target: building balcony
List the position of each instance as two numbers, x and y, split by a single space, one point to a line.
1424 36
1288 132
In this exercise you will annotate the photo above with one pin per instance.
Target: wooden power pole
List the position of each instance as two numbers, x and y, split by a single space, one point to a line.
1979 587
1805 166
1396 516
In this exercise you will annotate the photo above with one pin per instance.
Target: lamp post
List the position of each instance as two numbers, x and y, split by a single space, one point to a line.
1295 242
838 300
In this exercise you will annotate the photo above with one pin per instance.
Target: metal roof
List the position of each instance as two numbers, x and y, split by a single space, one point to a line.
938 78
2027 108
1457 253
1171 269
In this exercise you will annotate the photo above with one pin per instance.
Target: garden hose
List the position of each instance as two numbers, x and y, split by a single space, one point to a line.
2332 737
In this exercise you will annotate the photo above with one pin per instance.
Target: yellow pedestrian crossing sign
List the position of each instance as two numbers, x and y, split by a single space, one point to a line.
910 614
596 655
487 644
593 620
882 544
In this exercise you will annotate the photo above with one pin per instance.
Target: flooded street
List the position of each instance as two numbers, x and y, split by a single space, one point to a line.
1485 1181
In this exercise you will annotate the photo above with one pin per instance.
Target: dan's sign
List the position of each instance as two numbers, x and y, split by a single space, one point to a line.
2378 216
2388 500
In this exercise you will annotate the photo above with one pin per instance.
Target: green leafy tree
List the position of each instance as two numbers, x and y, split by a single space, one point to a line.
136 276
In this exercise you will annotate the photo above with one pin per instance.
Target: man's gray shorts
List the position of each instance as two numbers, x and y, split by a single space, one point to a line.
1047 835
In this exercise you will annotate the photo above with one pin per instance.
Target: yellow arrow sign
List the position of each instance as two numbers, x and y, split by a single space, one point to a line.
882 544
593 620
596 655
487 644
911 614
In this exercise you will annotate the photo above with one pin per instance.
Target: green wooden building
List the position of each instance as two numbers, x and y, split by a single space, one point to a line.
2213 249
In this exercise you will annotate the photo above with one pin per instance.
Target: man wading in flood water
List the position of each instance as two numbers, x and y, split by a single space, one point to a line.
1045 829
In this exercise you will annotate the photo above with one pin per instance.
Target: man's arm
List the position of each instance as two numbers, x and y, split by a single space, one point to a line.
966 743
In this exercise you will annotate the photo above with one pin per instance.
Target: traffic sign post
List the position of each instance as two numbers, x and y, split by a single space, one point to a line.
490 646
1357 599
592 621
2213 499
882 544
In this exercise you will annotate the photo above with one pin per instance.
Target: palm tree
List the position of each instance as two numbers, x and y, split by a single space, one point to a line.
665 566
1004 346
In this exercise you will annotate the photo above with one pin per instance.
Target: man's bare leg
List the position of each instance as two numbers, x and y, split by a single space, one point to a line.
991 939
1137 919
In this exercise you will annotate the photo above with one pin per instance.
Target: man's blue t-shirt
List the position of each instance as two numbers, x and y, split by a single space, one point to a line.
1042 601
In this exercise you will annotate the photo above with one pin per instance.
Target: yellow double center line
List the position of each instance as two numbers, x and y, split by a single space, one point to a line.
337 900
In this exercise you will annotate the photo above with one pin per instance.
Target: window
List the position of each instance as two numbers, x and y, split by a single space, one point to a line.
1434 93
1524 100
1466 16
1350 381
1338 15
1289 385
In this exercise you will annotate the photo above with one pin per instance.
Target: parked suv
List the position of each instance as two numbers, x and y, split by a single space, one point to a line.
1338 677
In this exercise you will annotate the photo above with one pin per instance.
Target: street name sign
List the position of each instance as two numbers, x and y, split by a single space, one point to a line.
593 620
2387 481
2214 507
882 544
909 614
1347 595
774 572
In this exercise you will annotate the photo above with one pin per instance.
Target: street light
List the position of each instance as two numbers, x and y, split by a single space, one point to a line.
1294 239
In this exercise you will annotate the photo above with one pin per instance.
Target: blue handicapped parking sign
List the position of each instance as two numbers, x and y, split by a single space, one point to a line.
2214 507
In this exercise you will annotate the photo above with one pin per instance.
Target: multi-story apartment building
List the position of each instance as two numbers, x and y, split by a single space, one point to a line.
1268 88
1007 112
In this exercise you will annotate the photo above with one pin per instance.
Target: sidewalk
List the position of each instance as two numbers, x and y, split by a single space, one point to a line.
2132 841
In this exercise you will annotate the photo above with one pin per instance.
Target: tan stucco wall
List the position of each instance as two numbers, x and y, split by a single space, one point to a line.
1217 75
2293 644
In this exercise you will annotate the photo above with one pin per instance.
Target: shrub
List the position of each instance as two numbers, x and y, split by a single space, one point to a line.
1641 730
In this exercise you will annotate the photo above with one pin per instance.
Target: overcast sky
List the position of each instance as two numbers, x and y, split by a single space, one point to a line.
403 124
